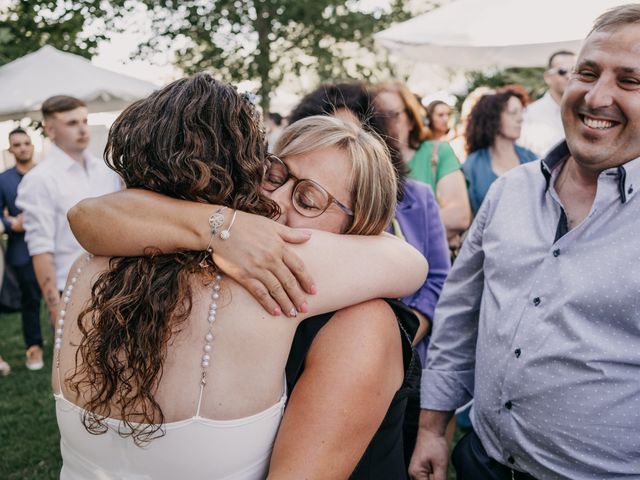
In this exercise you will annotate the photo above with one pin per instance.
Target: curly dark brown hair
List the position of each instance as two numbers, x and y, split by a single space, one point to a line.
196 139
484 120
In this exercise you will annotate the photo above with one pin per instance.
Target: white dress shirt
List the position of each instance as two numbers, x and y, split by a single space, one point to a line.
542 126
46 194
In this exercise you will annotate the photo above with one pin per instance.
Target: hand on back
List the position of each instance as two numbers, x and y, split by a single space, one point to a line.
258 257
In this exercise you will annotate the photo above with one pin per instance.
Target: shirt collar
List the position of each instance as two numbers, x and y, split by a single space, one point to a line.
628 174
551 101
66 161
555 157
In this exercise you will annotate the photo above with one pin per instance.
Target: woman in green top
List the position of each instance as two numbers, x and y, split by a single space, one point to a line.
431 162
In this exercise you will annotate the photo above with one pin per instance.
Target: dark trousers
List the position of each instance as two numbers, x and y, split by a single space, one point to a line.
30 304
411 423
472 462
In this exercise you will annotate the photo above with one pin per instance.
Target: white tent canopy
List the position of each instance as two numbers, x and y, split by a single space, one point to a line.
502 33
26 82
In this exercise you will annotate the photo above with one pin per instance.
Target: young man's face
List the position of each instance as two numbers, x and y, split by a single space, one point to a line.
69 130
601 105
21 147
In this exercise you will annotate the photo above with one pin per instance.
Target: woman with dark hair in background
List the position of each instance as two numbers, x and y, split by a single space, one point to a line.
162 352
438 115
494 127
429 161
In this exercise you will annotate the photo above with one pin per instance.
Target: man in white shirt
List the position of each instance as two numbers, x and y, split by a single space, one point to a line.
542 125
68 174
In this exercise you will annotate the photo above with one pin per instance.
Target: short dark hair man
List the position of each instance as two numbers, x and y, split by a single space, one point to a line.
539 319
17 256
68 174
542 125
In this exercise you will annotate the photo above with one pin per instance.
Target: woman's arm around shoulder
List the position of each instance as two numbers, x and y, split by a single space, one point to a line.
138 222
350 269
351 374
260 254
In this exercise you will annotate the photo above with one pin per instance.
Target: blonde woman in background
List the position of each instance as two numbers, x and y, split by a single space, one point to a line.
431 162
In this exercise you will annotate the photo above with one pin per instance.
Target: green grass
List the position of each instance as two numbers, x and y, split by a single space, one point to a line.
29 439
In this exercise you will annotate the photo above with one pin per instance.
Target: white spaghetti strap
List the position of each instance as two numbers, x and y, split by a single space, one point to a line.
208 338
59 379
66 298
200 398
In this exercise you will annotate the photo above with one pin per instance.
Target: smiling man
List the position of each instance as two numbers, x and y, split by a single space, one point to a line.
539 319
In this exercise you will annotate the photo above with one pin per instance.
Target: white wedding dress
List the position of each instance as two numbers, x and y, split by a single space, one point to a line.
191 449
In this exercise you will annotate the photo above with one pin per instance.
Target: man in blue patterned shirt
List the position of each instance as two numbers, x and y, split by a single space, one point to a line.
539 320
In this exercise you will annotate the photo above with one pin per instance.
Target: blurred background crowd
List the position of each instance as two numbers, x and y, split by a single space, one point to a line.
454 116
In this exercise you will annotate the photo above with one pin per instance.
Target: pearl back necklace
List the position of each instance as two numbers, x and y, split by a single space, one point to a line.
208 338
66 298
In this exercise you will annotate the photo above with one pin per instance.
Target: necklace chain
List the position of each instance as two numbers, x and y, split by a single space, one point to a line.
211 317
66 298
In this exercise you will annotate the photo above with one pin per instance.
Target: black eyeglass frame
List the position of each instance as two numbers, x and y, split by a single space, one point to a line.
300 181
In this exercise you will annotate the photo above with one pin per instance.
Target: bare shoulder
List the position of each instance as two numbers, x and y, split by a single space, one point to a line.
374 316
366 337
351 374
83 274
86 266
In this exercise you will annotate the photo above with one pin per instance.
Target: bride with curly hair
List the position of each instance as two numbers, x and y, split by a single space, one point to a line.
164 366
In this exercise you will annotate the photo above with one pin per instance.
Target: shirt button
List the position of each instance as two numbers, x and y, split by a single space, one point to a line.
556 252
508 405
517 352
511 459
536 301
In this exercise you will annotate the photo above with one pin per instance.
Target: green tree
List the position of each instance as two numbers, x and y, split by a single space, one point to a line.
265 39
27 25
530 78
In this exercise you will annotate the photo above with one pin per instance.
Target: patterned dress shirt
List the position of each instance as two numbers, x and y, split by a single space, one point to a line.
541 325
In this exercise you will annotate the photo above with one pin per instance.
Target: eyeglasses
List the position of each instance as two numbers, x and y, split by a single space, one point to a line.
309 198
560 71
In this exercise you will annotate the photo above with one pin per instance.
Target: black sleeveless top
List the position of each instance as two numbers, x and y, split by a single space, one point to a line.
384 457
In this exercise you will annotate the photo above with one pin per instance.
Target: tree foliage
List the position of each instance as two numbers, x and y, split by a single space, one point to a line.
530 78
265 39
27 25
